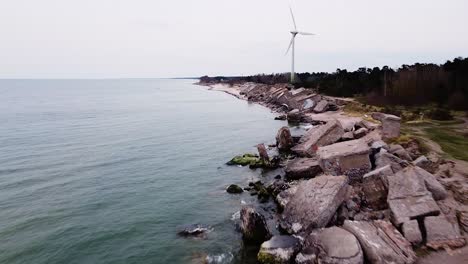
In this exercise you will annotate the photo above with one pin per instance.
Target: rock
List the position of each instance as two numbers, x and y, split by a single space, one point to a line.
381 242
463 219
384 158
438 191
441 233
277 186
308 104
281 117
323 135
279 250
391 126
347 136
284 140
350 158
377 145
378 116
302 168
360 132
233 188
294 115
408 197
253 225
246 159
333 245
400 152
304 258
375 187
284 197
263 153
422 162
321 106
193 230
314 203
412 233
369 125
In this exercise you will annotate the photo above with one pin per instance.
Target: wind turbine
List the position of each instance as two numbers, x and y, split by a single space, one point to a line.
291 44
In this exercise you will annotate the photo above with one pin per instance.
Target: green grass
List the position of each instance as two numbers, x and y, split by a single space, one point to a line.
454 144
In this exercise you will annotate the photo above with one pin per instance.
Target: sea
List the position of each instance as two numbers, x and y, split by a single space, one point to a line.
108 171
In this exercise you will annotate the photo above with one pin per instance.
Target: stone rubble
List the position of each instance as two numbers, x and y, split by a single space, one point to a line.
340 176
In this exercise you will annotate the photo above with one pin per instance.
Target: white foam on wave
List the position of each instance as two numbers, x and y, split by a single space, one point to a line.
220 259
235 216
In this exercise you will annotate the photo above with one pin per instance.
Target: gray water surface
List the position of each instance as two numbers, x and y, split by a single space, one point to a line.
104 171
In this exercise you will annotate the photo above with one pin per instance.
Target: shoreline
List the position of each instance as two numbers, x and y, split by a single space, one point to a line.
312 160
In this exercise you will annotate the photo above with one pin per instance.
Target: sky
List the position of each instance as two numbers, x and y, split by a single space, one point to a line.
182 38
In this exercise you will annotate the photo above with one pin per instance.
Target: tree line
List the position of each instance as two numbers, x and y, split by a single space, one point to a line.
417 84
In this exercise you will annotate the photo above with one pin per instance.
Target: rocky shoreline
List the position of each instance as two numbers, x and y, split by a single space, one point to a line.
343 191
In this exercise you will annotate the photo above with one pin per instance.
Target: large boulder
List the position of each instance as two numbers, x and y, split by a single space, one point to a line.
375 187
314 203
381 242
279 250
350 158
332 245
323 135
440 233
302 168
408 197
390 124
253 226
284 141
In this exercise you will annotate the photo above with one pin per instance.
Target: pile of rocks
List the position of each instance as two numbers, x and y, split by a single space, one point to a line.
353 199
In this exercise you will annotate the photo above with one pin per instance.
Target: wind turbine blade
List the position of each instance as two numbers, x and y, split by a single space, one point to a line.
290 45
306 33
294 20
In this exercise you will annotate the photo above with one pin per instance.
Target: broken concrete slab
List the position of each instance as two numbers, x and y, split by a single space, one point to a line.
333 245
381 242
408 197
422 162
350 158
412 233
284 141
314 203
432 184
347 136
375 187
321 106
323 135
360 132
384 158
400 152
302 168
279 250
440 233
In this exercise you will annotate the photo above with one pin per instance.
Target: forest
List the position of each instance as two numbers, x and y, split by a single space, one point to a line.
445 85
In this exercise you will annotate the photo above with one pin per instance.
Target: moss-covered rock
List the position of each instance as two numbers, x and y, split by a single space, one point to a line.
233 188
244 160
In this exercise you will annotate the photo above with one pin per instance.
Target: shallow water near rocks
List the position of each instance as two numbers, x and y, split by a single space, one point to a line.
104 171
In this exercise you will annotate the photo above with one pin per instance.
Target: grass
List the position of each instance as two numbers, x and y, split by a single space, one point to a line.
451 142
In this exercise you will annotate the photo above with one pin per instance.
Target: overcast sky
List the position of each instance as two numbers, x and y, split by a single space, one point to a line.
154 38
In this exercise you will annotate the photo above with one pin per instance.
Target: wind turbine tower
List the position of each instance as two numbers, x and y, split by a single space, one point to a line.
294 33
